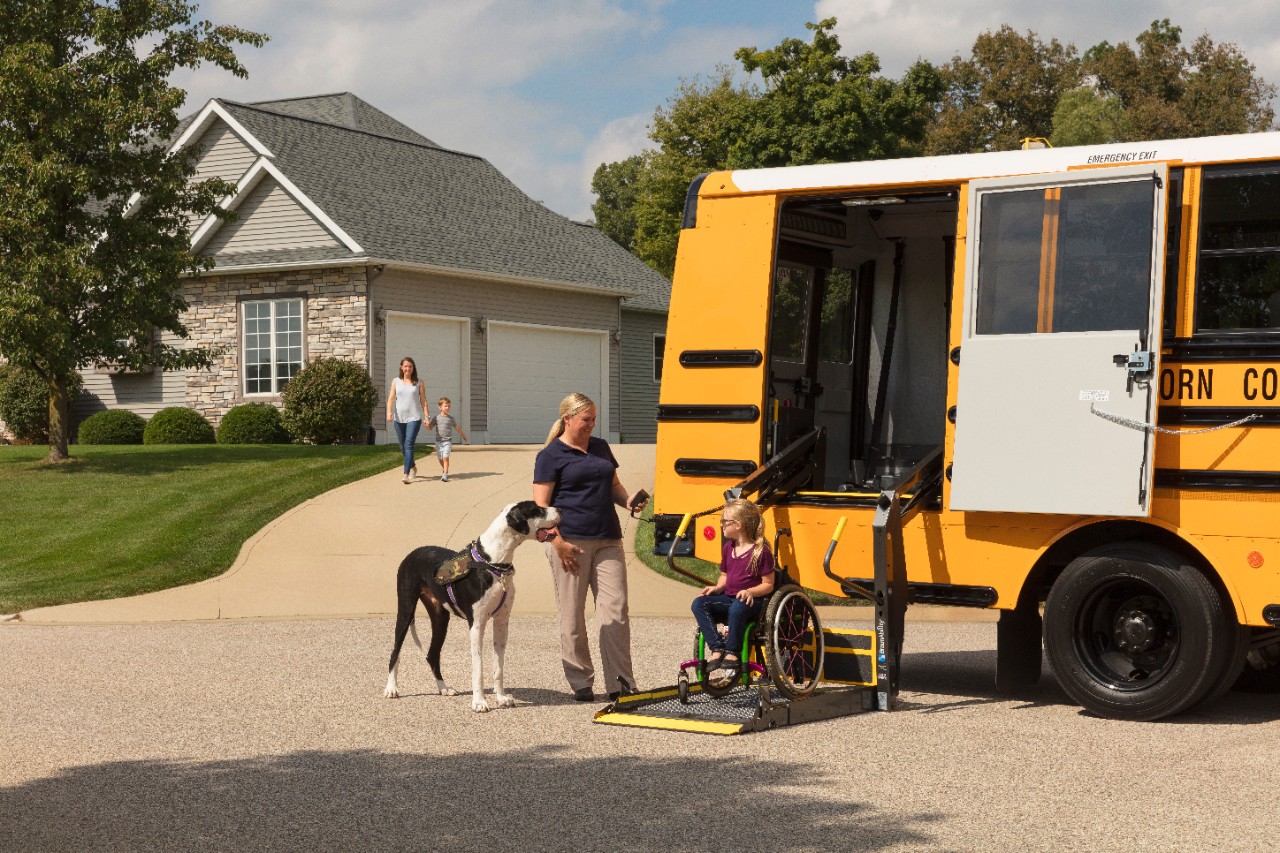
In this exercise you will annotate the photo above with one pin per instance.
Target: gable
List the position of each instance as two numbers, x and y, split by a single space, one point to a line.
269 218
222 154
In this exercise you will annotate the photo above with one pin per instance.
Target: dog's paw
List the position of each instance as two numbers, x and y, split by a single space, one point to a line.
479 705
504 700
445 690
391 693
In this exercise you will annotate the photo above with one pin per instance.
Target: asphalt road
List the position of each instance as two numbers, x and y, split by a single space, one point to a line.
255 735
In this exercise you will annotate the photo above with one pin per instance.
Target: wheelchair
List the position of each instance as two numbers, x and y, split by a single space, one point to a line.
783 648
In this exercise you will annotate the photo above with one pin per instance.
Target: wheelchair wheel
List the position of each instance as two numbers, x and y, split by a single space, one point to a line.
793 647
718 688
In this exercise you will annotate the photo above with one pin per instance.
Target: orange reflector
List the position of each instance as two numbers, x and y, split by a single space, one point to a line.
708 533
1255 560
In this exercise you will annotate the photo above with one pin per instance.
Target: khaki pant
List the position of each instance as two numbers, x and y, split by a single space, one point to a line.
602 570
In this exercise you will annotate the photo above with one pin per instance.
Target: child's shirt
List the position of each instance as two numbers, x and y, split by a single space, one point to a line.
737 576
444 425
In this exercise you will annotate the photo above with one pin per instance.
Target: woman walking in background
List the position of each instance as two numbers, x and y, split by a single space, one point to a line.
577 474
406 408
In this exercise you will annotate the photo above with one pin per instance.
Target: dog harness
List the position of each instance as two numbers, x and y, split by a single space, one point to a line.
500 572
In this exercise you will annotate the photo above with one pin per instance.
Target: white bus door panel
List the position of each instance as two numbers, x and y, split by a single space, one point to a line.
1065 283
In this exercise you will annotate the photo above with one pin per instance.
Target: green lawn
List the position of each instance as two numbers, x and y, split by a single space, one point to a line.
119 521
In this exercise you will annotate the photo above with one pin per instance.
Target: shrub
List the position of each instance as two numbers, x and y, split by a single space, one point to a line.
24 403
329 401
117 426
252 423
176 425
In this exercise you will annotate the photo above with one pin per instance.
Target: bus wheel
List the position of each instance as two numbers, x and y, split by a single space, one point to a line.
793 647
1134 632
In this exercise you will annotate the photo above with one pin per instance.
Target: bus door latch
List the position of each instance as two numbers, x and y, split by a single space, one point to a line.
1138 363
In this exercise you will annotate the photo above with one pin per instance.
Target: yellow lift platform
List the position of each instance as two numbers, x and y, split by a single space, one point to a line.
809 673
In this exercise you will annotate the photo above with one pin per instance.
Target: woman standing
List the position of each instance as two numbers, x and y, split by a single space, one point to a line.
577 474
406 407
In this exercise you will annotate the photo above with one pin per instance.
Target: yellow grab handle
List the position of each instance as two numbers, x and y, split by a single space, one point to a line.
684 524
839 529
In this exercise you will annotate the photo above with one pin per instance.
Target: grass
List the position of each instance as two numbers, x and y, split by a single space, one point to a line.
702 568
117 521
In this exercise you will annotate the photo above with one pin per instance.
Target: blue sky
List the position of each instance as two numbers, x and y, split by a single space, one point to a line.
547 90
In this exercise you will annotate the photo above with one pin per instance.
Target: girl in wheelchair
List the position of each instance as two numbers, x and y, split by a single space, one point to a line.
746 577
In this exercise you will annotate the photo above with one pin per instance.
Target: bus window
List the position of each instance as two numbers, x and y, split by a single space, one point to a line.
1238 287
1063 259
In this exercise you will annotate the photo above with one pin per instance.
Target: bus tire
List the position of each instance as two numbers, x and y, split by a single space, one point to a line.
1134 632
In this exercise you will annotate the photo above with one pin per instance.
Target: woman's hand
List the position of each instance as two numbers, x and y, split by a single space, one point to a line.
709 590
567 552
745 597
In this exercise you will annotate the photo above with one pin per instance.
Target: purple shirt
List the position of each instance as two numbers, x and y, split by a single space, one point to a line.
582 487
735 568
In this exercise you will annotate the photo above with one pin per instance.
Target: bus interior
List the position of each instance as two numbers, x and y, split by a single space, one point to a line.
858 340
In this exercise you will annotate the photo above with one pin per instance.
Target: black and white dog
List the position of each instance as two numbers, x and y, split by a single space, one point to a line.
484 594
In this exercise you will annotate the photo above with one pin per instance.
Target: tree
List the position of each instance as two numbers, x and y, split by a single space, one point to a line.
815 106
1167 91
1084 116
1006 91
93 220
614 209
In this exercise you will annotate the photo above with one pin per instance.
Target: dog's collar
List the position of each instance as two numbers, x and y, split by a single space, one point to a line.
478 554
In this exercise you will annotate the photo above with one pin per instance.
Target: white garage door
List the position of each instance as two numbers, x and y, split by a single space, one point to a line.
437 346
532 368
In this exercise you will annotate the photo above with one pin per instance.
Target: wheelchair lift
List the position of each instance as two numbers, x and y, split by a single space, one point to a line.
859 669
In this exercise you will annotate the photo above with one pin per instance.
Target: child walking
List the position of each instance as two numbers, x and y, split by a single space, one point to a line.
444 424
746 574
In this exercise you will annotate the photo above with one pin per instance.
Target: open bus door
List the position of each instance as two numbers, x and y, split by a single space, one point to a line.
1060 343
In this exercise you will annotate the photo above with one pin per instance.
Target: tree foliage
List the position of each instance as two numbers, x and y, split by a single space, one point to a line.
1168 91
1005 91
93 220
813 105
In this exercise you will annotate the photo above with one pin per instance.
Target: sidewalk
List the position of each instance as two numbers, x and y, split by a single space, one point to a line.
336 555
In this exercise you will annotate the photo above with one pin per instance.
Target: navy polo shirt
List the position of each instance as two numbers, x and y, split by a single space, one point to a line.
582 487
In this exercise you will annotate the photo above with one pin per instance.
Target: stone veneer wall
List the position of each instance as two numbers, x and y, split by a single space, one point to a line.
335 323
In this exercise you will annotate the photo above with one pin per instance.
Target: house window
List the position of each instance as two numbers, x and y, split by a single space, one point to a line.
659 344
272 344
1238 289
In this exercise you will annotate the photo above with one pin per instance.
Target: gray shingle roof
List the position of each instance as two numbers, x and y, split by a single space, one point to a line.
417 203
345 110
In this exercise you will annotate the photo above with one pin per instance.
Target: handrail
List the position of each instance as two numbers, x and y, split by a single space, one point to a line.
847 586
671 555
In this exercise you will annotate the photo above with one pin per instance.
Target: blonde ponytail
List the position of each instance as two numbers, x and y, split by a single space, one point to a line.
748 515
569 406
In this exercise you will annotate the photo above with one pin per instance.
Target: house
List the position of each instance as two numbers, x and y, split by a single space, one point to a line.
359 238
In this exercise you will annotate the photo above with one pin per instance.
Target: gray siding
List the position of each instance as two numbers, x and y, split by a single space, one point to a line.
421 293
223 154
269 219
142 393
639 390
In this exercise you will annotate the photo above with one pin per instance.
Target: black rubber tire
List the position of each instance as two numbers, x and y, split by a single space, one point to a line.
1134 632
791 622
1231 671
682 688
717 689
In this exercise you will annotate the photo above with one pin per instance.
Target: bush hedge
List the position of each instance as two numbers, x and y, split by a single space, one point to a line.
115 426
252 423
178 425
329 401
24 403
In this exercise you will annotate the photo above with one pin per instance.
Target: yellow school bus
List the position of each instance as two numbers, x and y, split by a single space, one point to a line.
1062 366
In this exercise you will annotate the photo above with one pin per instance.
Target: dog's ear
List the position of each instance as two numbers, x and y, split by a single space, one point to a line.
519 514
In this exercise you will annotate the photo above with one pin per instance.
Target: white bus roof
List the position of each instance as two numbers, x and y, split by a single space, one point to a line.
960 167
